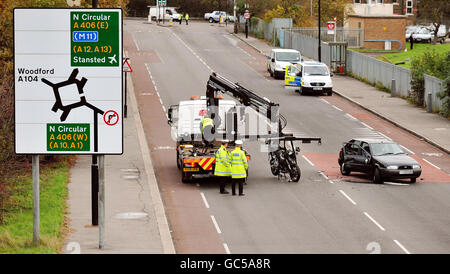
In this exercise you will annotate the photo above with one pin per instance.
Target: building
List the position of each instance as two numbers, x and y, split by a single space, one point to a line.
386 7
384 32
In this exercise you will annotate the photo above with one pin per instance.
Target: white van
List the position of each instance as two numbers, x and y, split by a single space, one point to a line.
279 59
165 13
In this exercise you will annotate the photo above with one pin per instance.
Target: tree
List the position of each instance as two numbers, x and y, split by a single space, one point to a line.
435 11
332 8
298 13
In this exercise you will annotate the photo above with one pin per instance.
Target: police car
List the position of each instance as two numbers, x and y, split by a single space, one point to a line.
309 77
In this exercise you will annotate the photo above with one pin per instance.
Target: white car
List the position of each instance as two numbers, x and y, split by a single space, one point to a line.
279 59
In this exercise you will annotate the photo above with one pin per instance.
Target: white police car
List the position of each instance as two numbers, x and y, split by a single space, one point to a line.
309 77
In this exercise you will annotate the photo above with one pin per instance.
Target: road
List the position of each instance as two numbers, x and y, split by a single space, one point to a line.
323 213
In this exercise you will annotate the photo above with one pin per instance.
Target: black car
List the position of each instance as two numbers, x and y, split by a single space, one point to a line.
380 159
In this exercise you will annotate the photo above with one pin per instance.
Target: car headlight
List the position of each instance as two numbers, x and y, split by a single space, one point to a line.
392 167
416 166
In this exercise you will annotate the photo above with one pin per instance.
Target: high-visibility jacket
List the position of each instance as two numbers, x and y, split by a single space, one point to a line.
207 122
180 17
223 162
238 163
187 16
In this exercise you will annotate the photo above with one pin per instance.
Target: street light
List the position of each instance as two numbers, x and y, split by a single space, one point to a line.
320 42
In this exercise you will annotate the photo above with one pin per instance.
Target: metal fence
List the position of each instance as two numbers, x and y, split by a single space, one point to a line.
434 86
307 45
353 37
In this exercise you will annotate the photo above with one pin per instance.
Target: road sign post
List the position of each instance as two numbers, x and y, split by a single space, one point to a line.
332 28
68 72
36 208
125 68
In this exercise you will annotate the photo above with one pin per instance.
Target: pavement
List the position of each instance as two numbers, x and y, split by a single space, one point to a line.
431 127
135 217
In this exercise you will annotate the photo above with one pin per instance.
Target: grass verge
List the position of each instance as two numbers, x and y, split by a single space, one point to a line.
418 50
16 231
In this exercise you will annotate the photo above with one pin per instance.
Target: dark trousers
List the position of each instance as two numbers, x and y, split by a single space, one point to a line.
223 181
240 182
187 22
180 21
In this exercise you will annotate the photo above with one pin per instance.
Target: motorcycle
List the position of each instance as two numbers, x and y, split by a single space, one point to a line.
283 160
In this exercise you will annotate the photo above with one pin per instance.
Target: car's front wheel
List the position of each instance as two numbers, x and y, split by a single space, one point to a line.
377 176
413 180
344 170
211 20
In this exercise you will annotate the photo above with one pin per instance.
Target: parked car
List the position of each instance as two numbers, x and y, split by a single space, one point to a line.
426 34
279 59
214 17
380 159
410 30
309 77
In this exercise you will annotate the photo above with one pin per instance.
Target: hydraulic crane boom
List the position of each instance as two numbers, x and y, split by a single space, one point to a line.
270 110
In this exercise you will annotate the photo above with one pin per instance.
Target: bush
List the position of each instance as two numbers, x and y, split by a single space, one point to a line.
431 63
445 97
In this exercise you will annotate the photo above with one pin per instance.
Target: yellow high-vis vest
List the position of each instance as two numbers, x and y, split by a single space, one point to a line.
223 162
238 163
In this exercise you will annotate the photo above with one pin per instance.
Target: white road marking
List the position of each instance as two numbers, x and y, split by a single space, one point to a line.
402 247
331 181
135 42
395 184
350 116
410 151
431 163
348 197
227 250
304 157
204 199
336 108
375 222
384 136
367 125
216 225
325 101
191 50
323 175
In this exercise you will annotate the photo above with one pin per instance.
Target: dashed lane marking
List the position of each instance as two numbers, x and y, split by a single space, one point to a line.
402 247
204 199
304 157
227 250
336 108
348 197
215 224
375 222
408 150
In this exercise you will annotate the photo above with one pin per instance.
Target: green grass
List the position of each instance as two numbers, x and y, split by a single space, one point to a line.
418 50
16 232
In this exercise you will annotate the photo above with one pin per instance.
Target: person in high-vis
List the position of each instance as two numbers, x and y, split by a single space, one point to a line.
186 17
180 18
207 128
239 168
222 168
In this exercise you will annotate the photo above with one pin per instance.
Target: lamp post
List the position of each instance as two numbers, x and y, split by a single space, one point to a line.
320 42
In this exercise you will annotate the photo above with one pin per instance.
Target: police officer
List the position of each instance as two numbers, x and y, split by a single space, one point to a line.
180 18
223 166
186 17
239 168
207 128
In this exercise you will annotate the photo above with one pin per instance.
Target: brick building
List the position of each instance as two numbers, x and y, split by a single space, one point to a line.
399 7
380 31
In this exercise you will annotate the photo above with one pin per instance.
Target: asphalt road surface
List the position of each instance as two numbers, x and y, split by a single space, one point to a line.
324 212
